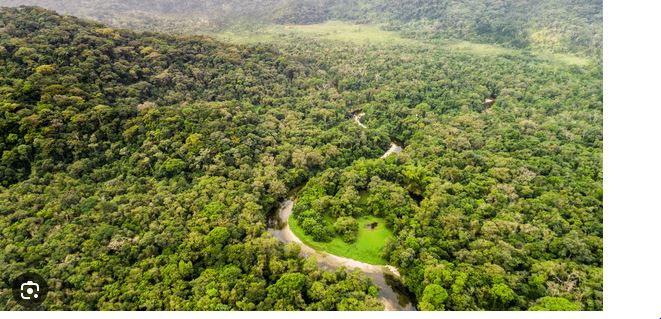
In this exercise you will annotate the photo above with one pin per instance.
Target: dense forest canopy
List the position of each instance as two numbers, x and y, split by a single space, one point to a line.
139 170
499 206
553 25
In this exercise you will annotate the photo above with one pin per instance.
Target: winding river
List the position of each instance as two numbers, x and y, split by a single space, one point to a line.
392 292
357 117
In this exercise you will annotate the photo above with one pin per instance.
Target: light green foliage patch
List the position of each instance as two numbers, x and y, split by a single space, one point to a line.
362 34
368 246
490 50
368 34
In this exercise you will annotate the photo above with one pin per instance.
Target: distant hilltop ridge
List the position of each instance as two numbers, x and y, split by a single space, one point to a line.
555 25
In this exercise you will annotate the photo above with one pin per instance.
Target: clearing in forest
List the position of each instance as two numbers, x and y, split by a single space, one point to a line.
363 34
367 248
369 34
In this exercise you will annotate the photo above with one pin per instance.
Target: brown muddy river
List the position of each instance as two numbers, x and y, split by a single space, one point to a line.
392 292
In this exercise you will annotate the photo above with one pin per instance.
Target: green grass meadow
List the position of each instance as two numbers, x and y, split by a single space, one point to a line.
367 247
365 34
360 34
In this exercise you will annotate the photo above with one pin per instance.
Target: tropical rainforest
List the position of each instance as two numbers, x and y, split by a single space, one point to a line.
558 25
140 169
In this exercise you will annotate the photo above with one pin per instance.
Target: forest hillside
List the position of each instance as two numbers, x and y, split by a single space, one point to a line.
142 170
553 25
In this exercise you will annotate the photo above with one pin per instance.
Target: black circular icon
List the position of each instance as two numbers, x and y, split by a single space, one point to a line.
29 290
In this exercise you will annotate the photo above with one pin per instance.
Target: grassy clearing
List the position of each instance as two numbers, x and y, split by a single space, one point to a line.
360 34
562 58
477 48
490 50
367 247
363 34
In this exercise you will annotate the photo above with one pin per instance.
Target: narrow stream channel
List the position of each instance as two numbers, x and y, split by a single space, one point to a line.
392 292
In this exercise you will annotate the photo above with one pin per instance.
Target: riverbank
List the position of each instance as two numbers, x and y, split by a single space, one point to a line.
391 291
367 247
394 149
357 118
